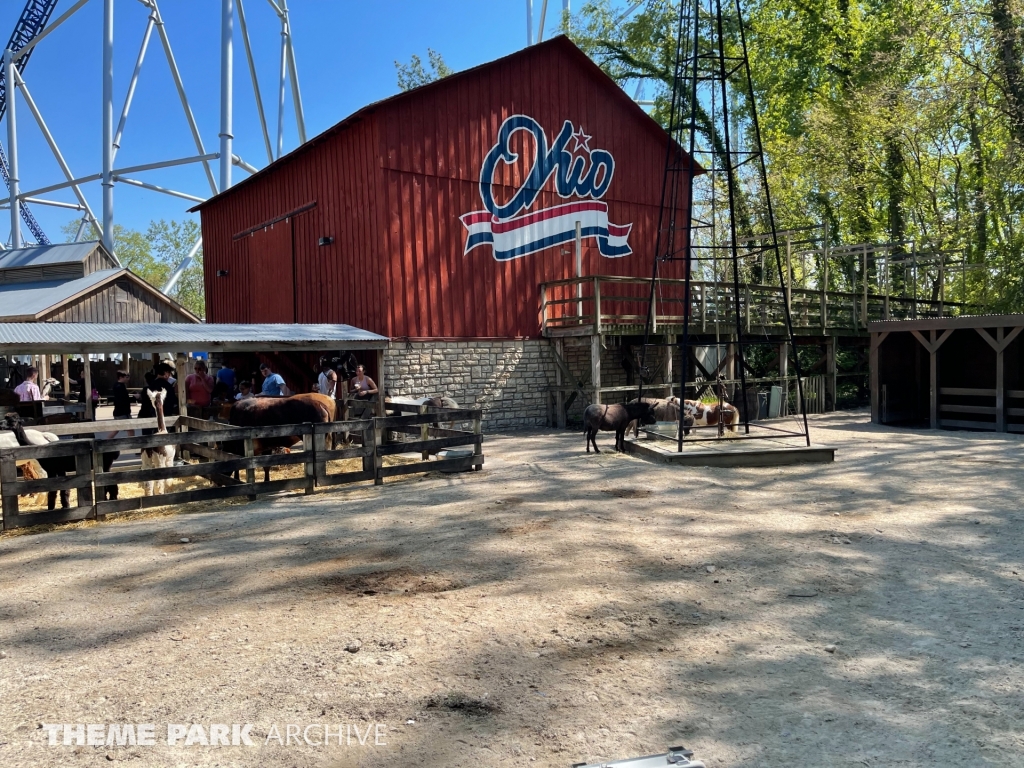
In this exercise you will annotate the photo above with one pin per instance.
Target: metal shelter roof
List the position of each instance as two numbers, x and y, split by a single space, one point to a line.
27 300
38 255
73 338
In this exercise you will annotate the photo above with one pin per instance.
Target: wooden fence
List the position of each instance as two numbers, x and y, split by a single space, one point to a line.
206 443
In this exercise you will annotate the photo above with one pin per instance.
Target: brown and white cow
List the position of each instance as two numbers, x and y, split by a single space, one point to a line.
705 415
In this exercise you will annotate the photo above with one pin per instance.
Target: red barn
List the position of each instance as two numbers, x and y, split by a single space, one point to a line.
435 215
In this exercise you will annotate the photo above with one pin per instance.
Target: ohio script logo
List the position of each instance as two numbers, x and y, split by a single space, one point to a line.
580 172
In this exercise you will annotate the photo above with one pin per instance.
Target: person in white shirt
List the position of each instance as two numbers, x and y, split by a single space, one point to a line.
321 383
244 391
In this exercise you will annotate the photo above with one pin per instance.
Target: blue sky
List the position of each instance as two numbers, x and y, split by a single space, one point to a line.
345 52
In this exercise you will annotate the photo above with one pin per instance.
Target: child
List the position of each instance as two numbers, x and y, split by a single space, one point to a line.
244 391
122 402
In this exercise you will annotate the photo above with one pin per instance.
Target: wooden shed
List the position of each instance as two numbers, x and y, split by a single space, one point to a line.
437 213
949 372
79 283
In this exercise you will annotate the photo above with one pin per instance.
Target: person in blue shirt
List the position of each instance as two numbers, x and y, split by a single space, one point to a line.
226 375
273 384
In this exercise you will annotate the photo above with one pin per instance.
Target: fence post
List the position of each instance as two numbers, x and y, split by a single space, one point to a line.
424 434
378 460
319 446
98 481
250 471
478 446
83 466
8 477
307 448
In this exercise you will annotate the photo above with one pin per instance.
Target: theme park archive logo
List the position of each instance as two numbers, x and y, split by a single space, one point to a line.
581 174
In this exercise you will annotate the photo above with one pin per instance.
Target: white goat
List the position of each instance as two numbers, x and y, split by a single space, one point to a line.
162 455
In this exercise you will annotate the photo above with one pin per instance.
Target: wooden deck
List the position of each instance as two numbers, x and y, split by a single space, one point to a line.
619 306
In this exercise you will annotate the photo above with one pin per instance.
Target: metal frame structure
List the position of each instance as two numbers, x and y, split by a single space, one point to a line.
710 68
33 28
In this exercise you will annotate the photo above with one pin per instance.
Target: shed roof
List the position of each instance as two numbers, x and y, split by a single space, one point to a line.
63 338
38 255
26 302
943 323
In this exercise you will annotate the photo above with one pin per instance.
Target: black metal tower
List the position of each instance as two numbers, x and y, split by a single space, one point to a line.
715 165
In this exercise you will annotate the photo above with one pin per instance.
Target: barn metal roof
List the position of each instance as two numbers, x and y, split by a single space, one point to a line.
25 301
64 338
558 41
38 255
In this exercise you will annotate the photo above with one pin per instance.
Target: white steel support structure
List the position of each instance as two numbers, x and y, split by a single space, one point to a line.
108 126
113 125
227 33
12 148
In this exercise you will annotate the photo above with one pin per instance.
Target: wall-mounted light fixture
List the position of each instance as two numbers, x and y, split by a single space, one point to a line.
326 240
222 273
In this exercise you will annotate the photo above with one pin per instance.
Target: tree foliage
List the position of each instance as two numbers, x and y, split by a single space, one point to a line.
153 255
413 74
893 120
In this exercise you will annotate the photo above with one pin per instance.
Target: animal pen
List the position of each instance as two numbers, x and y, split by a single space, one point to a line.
398 442
949 373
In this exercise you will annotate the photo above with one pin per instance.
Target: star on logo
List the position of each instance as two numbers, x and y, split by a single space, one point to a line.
582 141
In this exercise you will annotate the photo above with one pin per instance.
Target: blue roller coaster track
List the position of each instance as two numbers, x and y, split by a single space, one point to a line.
32 21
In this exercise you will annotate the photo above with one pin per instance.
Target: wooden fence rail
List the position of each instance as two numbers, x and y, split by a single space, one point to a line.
206 442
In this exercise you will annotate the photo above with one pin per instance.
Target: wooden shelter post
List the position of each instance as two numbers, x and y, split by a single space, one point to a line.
1000 382
90 414
876 342
67 376
179 385
999 345
380 383
933 371
783 375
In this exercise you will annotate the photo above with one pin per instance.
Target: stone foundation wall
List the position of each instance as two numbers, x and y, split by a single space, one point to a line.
508 380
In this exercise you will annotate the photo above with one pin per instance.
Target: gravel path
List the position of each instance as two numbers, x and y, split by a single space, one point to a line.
554 608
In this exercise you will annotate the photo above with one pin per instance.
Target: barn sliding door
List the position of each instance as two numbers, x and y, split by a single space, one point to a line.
272 270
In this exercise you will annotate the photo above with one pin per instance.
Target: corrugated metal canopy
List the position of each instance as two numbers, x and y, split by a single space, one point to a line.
38 255
27 300
70 338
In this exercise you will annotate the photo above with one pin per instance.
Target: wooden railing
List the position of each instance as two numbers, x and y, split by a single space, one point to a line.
207 444
603 304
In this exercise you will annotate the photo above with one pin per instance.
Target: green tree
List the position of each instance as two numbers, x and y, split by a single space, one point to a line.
413 74
892 120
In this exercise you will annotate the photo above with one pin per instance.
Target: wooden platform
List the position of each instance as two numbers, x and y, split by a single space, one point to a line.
731 453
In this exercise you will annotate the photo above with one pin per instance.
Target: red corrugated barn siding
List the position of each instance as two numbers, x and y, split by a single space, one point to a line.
390 184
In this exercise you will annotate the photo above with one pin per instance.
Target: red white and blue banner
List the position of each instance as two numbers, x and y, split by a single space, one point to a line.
579 173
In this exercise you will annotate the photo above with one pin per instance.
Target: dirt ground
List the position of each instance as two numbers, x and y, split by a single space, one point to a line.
553 608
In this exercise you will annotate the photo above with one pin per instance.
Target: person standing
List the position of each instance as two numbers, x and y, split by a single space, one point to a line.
244 391
363 387
322 385
273 383
199 388
122 401
226 375
28 390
